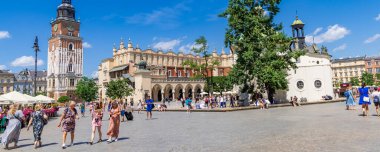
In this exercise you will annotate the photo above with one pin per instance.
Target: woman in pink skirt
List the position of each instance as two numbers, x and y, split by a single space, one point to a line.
113 130
97 115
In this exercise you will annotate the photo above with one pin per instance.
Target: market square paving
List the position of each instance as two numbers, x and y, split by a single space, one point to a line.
324 127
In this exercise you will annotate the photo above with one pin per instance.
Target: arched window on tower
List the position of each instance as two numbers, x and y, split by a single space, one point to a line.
169 73
71 47
70 67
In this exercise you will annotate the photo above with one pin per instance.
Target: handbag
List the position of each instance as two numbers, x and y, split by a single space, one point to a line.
366 99
45 119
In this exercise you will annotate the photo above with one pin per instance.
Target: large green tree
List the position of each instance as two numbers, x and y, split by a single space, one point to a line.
87 89
118 89
263 50
221 83
355 81
63 99
368 79
202 70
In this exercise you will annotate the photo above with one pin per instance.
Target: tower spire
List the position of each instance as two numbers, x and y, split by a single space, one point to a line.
66 1
121 43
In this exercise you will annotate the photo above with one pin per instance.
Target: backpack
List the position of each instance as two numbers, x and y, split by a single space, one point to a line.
376 98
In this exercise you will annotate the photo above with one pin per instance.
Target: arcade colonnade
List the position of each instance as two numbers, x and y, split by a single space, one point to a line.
175 91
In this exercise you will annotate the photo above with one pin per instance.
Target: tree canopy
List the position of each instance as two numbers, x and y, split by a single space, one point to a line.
368 79
118 89
355 81
63 99
263 50
87 89
202 70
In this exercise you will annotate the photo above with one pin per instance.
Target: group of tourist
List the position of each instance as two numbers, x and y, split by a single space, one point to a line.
67 122
15 119
364 95
219 101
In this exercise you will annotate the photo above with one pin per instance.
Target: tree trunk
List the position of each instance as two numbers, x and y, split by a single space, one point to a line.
270 92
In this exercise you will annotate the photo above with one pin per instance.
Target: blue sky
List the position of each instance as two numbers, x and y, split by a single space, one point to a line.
346 27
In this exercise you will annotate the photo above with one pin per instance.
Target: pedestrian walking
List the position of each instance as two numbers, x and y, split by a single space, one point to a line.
38 120
364 99
376 99
183 102
188 103
149 108
113 129
350 99
132 103
123 107
97 115
13 129
82 109
139 106
67 122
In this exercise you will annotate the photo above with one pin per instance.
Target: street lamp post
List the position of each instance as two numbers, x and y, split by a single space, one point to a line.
36 50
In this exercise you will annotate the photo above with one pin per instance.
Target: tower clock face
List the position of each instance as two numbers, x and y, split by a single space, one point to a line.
56 27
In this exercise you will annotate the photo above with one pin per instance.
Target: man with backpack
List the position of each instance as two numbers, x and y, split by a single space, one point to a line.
376 99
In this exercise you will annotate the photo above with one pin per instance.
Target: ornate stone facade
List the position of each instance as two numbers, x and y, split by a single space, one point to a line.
65 55
169 78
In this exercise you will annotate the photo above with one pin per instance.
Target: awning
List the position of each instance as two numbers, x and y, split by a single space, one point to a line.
128 76
118 68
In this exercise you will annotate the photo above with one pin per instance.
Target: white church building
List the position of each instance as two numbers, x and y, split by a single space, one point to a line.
313 77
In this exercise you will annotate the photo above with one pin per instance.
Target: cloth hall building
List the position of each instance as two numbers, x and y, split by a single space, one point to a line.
164 76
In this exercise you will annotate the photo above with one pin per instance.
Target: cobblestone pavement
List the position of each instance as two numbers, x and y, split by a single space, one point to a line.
313 128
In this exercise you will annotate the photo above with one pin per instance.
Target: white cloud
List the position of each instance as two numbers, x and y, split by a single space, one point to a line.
94 74
316 31
372 39
3 67
340 48
4 35
377 18
333 33
87 45
167 45
187 49
26 61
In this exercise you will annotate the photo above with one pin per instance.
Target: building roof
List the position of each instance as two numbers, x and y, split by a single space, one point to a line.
349 59
298 22
119 68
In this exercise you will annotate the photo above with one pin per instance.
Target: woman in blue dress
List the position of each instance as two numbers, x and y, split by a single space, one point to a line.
149 108
364 99
350 101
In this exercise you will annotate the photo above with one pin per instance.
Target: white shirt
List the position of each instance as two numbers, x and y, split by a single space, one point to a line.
376 93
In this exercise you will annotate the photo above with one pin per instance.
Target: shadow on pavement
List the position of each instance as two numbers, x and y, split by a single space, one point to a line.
124 138
80 143
50 144
23 140
21 146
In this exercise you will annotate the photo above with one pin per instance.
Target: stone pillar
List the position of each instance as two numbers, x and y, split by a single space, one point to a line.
173 95
162 95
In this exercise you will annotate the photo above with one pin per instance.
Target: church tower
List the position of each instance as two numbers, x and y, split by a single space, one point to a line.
65 53
298 34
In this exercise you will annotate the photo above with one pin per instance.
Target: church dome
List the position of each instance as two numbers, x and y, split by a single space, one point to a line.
142 63
298 22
